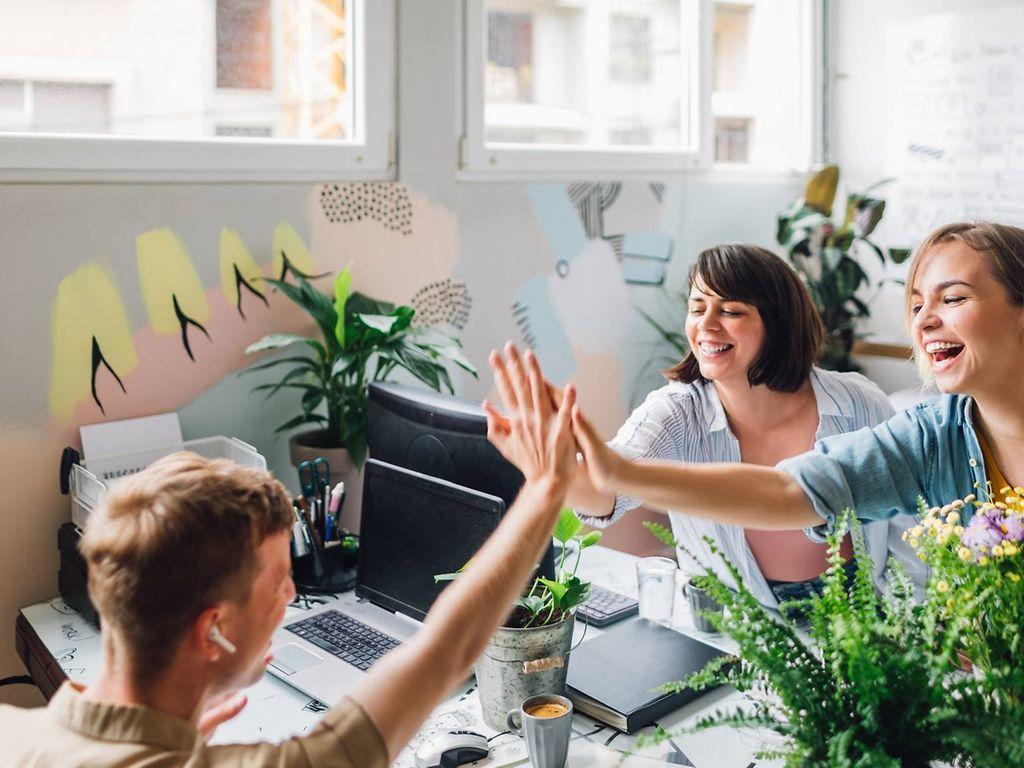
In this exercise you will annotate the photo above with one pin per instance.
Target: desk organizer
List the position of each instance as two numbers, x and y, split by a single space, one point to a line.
87 490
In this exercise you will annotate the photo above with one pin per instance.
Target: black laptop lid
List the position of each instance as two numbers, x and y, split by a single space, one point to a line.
414 526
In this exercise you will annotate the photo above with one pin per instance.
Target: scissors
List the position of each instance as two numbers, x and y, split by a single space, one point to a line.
314 476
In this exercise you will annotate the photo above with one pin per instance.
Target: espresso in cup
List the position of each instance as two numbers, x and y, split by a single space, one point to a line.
546 709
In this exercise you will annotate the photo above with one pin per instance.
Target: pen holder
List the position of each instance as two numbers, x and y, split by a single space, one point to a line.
325 571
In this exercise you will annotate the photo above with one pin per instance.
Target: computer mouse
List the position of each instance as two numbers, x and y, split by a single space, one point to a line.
451 749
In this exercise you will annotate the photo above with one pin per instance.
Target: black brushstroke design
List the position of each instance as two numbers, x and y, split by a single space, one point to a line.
185 321
287 266
241 282
99 359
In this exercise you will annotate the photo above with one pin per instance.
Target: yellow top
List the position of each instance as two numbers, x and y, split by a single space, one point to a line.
1000 487
74 730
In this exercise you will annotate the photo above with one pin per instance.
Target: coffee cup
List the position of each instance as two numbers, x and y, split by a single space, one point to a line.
545 724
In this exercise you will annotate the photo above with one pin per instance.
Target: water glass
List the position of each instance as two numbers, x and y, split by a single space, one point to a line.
656 586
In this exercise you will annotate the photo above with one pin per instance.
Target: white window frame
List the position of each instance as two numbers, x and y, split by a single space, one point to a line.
371 155
479 160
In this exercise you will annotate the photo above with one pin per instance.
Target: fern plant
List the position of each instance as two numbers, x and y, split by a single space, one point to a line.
875 684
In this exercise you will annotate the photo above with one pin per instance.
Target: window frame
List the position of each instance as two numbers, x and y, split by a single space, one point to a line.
478 160
78 157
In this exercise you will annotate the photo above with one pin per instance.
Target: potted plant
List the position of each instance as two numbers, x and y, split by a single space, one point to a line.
528 655
977 565
360 340
875 684
825 254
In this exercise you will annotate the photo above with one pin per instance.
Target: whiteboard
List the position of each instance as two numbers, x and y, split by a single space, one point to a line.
956 146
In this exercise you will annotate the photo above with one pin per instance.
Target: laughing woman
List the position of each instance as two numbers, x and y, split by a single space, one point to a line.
965 309
747 392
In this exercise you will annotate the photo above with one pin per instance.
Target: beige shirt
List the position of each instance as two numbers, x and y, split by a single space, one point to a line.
74 731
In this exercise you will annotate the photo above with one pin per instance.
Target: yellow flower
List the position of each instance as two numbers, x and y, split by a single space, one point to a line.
997 550
916 532
969 498
942 587
964 553
1013 577
914 542
983 561
1010 549
950 603
942 538
953 517
959 530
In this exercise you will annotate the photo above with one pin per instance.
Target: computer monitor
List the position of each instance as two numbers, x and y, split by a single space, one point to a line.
441 436
414 527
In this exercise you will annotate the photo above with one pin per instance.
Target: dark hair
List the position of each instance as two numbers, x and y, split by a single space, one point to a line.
793 331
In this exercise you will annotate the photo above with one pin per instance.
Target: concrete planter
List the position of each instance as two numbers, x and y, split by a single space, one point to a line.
307 446
505 675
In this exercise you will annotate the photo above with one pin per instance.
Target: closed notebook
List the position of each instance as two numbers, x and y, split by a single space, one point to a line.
616 678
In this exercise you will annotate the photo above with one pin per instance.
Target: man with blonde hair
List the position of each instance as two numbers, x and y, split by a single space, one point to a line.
189 569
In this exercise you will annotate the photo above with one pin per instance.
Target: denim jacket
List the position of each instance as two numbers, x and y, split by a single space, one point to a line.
929 451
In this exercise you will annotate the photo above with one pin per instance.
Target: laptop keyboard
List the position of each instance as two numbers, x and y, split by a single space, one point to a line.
604 607
344 637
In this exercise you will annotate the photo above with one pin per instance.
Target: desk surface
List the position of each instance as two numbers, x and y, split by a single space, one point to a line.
277 711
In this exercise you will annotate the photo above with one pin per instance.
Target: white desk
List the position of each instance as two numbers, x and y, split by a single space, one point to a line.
277 711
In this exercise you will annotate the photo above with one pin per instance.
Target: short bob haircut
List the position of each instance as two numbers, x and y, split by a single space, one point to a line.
793 331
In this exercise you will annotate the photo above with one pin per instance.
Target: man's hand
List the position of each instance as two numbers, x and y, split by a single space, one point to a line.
601 463
534 437
220 710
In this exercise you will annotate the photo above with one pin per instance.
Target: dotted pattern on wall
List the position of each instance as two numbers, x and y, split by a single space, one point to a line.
441 302
385 202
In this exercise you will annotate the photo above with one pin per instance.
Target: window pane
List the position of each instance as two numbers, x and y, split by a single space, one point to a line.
253 68
588 73
761 68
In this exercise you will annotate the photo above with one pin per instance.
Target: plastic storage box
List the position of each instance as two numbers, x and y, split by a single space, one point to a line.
87 488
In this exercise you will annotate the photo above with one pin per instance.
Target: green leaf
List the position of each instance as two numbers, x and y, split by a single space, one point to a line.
532 603
557 590
869 214
899 255
341 289
311 399
661 533
590 539
568 525
361 304
299 361
274 341
382 323
301 419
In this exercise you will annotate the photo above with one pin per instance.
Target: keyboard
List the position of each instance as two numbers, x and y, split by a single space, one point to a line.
604 607
344 637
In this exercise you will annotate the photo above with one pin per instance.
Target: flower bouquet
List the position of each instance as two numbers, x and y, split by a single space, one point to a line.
980 563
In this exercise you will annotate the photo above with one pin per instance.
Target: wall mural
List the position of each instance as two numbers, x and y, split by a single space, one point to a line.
582 306
102 367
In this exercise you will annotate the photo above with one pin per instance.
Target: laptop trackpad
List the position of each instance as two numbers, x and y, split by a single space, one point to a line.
291 658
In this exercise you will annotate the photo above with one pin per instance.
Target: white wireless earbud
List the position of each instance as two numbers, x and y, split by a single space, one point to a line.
216 637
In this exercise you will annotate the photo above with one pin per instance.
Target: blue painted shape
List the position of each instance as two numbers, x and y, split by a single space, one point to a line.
643 271
558 220
648 245
535 313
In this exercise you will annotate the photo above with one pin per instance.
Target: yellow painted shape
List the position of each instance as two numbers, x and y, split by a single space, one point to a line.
88 304
166 270
288 240
233 253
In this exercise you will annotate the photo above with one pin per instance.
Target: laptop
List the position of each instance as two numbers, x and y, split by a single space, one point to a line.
412 527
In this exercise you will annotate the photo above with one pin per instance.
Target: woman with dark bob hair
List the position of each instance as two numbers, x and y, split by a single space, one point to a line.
748 392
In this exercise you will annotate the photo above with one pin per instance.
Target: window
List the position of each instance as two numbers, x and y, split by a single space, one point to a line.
218 88
763 71
639 87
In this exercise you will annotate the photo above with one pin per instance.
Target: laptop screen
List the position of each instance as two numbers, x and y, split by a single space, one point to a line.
414 526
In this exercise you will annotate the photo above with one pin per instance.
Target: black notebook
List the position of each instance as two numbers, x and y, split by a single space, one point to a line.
616 678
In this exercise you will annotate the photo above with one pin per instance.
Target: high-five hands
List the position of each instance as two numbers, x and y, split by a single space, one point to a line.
536 436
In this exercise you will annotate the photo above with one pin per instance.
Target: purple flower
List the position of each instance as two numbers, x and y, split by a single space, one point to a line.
983 531
1014 527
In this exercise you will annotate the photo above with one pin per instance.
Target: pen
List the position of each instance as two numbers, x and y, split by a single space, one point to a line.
314 536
